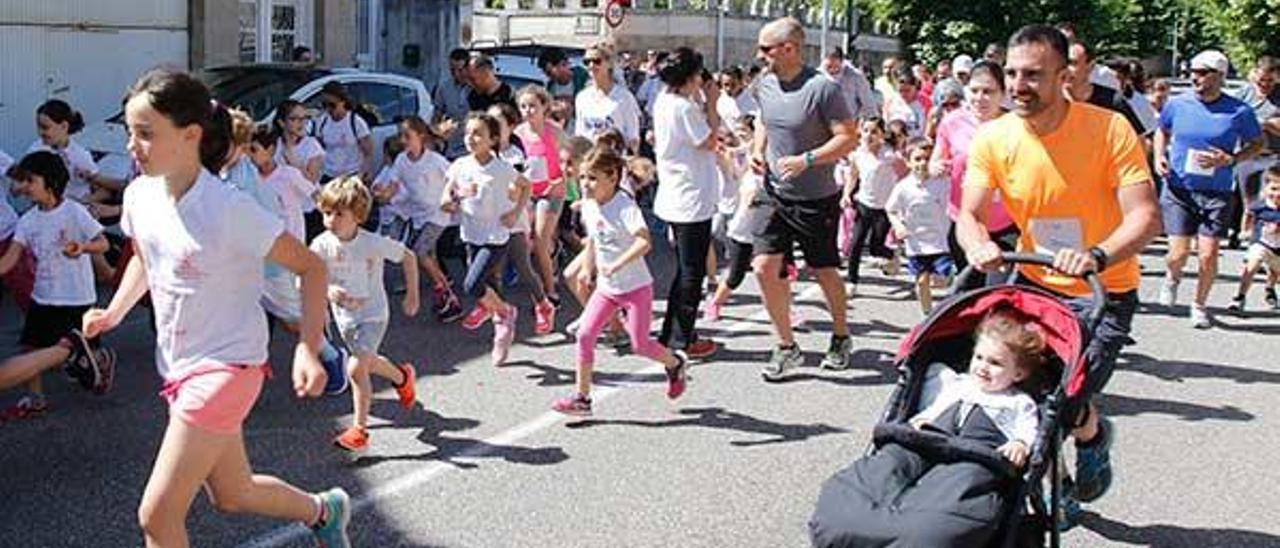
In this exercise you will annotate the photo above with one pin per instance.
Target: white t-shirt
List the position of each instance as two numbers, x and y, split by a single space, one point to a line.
877 173
60 280
8 219
356 267
78 159
486 197
341 145
395 207
923 208
728 110
514 156
293 191
688 184
306 150
204 255
1012 410
612 228
422 184
595 112
750 220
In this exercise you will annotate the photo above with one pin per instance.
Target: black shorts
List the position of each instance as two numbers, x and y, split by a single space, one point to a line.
47 325
811 224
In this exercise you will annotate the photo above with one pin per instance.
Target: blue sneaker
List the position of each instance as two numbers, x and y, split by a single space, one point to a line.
336 369
337 511
1093 465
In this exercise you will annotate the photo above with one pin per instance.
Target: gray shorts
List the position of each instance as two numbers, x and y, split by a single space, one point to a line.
364 338
423 241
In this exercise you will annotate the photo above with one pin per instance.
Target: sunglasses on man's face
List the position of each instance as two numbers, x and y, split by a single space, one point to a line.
592 61
768 48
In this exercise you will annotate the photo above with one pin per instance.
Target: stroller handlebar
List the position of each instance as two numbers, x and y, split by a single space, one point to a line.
1093 320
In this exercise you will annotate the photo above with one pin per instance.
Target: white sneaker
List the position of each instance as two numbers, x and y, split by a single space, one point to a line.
1168 293
1199 317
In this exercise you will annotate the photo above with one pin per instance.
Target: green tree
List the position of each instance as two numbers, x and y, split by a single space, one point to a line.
1248 28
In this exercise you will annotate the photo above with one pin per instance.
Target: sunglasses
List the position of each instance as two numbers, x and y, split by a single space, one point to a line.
592 61
768 48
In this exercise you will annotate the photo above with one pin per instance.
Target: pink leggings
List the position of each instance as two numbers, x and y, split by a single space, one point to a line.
638 304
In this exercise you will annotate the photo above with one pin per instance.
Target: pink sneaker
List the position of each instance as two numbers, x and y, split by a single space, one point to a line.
793 273
504 333
712 312
577 405
476 318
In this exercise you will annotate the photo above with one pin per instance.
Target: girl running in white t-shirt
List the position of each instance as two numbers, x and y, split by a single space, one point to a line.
302 151
617 244
56 123
520 252
489 194
419 175
200 246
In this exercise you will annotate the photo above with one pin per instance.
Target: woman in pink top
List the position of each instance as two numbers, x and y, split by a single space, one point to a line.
542 142
985 95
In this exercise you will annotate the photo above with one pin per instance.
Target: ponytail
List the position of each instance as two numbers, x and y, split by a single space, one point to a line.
62 113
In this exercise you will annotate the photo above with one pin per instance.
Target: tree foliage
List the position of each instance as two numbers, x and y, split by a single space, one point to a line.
932 30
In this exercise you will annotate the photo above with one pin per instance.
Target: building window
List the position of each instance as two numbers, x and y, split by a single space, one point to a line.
270 29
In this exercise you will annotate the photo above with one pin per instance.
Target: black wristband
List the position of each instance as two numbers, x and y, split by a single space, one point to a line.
1100 257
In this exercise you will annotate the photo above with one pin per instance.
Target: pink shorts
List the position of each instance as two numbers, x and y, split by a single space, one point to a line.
216 397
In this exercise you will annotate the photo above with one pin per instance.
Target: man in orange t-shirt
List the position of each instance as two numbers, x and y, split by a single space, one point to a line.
1074 178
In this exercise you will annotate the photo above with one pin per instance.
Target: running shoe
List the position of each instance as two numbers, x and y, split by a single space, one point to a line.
712 311
504 333
452 309
1237 304
678 376
82 364
1199 316
793 273
336 381
353 439
31 406
1093 465
544 317
332 533
1270 297
439 298
701 349
106 360
837 357
407 391
577 405
476 318
783 358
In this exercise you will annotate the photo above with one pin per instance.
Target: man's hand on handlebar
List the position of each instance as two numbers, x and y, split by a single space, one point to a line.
986 258
1074 262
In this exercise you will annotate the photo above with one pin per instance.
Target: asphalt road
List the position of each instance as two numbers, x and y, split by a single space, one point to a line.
736 461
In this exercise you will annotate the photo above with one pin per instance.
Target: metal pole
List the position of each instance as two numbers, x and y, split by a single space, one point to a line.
720 10
850 23
826 25
1173 69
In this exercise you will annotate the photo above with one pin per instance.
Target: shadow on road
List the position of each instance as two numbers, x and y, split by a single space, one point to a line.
1172 535
547 375
448 449
1117 405
1174 370
720 419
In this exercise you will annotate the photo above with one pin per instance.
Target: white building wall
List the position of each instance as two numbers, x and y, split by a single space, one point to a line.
84 52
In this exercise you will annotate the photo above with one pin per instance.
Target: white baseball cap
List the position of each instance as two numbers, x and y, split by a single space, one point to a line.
962 63
1211 59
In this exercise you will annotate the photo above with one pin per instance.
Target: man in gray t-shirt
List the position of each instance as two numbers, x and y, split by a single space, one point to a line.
804 128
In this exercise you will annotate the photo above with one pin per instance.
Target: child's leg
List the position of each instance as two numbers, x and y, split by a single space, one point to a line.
519 253
858 239
599 309
739 265
234 488
639 307
1251 266
579 291
924 289
186 459
28 367
711 264
546 222
361 388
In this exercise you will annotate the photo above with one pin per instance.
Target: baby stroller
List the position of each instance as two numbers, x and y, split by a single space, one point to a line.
980 500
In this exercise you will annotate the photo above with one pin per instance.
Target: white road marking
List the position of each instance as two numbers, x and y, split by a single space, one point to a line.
290 533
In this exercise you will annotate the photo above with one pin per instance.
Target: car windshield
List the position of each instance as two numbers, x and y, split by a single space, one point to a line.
256 89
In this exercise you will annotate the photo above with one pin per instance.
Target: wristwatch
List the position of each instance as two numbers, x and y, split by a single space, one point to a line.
809 159
1100 257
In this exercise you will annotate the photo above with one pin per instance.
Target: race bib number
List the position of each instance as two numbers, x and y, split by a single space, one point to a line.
1193 167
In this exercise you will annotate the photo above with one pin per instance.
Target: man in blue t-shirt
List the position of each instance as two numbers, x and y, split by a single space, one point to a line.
1202 137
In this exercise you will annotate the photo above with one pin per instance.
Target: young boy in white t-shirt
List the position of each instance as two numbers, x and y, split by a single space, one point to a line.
61 234
917 209
358 299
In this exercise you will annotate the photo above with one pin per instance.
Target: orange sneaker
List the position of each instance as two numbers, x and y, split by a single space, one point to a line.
354 439
407 390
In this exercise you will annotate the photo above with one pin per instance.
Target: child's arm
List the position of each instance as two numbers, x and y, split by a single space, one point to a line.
409 264
449 202
1015 451
288 252
518 192
97 245
850 184
587 276
133 285
312 170
893 209
11 256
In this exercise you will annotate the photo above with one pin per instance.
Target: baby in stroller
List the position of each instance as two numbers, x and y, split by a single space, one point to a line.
938 490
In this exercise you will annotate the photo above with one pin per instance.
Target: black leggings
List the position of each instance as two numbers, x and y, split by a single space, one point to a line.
693 240
871 224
